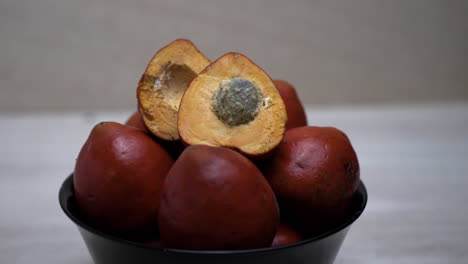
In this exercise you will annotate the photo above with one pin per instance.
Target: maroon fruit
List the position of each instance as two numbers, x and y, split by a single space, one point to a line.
118 179
294 109
135 121
285 235
314 174
216 199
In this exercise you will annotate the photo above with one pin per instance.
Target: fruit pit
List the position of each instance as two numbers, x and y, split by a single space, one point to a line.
236 102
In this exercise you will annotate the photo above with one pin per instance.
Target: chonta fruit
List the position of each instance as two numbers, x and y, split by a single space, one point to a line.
135 121
314 174
174 148
285 235
163 83
233 103
118 178
294 109
213 199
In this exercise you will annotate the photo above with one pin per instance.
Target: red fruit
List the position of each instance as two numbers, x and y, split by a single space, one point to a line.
216 199
118 179
174 148
135 121
294 109
285 235
314 174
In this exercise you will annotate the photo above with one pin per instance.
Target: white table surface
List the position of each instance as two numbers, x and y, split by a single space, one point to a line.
414 162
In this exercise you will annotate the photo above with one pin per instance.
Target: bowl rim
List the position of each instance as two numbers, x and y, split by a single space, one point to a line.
66 192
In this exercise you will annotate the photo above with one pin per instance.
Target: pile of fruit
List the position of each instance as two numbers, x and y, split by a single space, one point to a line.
218 157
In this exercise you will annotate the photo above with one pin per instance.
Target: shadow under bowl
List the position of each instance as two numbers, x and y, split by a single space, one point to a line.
106 249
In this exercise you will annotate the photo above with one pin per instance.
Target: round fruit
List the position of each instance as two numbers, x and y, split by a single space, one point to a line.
314 174
285 235
294 109
174 148
135 121
216 199
118 179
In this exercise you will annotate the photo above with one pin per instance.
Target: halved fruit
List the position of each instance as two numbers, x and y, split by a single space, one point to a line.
161 87
233 103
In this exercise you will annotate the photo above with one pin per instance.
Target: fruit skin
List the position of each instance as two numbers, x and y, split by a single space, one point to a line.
118 179
285 235
216 199
174 148
294 108
135 121
314 174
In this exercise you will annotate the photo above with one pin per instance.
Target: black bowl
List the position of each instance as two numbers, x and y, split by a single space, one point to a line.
106 248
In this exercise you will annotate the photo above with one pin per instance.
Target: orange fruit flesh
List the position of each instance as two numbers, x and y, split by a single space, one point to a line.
199 120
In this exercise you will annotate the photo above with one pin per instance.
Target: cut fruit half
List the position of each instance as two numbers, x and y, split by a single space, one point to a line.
165 80
233 103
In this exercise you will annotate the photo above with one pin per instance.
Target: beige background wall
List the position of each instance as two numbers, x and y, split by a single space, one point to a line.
89 55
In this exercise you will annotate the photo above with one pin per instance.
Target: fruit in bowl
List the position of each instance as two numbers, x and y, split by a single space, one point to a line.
135 121
294 108
285 235
233 103
215 198
314 174
163 84
215 156
118 179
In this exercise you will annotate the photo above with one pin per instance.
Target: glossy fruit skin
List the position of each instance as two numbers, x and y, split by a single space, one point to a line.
294 108
314 174
135 121
118 178
216 199
285 235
